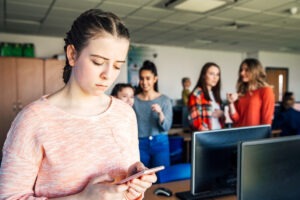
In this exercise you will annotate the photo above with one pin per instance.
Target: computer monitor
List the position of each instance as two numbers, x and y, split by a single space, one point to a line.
269 169
214 160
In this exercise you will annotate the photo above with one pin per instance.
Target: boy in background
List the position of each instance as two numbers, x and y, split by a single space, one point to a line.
186 84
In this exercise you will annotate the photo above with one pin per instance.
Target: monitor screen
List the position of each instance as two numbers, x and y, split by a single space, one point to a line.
214 156
269 169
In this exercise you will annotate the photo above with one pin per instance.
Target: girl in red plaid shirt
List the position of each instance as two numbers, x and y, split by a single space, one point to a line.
205 102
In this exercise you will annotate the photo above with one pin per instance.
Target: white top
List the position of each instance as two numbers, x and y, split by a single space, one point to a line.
215 124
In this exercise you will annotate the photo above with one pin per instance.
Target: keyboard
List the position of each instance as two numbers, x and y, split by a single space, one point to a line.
187 195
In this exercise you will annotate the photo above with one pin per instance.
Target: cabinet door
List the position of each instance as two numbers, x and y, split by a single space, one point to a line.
8 95
29 80
53 75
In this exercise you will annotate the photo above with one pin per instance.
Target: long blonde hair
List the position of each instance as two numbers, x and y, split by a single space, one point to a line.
257 77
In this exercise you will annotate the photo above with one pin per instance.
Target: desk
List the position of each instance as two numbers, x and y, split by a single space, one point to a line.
187 137
177 186
276 133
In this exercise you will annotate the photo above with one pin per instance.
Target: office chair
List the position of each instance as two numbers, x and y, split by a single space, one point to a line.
174 173
176 149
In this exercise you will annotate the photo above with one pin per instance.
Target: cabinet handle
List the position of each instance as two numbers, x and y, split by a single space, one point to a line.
20 106
14 107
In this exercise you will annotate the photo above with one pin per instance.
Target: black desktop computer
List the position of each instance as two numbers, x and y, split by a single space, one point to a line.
269 169
214 160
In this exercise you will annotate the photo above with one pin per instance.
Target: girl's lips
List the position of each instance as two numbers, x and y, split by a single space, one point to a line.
101 86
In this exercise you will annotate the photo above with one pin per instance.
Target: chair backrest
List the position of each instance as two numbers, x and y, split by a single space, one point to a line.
175 173
176 149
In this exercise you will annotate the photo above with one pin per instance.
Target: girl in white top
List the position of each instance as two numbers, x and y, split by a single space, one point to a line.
204 101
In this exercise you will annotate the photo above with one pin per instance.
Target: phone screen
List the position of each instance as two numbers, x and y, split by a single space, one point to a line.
139 174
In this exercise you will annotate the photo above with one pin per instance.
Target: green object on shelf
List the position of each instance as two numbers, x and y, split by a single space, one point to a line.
6 49
28 50
17 50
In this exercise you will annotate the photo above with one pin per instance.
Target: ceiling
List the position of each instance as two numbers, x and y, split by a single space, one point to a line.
242 25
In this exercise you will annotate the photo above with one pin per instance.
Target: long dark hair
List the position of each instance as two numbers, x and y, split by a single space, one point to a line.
150 66
202 83
88 25
257 76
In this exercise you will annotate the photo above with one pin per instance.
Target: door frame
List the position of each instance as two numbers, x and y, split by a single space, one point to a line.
287 75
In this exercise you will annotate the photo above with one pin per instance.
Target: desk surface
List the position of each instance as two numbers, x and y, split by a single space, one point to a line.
178 186
187 136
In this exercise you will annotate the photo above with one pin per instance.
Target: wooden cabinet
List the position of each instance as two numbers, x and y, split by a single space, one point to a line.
29 80
8 95
53 70
23 80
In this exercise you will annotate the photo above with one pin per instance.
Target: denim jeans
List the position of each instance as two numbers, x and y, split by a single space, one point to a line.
154 150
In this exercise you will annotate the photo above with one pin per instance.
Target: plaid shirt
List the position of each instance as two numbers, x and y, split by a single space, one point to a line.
200 111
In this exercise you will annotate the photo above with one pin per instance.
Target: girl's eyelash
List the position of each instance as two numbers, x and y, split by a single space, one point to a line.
117 67
101 63
97 63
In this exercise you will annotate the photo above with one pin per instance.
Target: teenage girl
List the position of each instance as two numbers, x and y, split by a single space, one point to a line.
254 102
154 117
124 92
77 142
204 103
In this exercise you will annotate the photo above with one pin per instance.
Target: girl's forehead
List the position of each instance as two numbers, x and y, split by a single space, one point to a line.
147 72
213 68
106 45
244 66
126 90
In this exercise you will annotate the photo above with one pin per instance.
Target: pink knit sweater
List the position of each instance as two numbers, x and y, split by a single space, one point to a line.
50 153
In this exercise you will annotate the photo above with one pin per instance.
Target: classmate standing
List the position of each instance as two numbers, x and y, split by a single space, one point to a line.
205 102
254 102
154 117
78 141
185 93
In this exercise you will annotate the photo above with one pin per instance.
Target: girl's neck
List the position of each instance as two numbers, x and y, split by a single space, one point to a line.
149 95
74 102
208 88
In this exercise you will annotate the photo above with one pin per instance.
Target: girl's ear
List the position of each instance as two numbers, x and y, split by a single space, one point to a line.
155 79
71 54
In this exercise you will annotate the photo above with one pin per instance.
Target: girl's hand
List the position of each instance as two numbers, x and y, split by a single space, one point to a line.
156 108
217 113
101 187
138 186
204 127
232 97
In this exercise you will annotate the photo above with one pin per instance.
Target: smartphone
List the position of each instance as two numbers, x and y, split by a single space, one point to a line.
141 173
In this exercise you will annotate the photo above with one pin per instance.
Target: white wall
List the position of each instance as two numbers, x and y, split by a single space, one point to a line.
291 61
174 63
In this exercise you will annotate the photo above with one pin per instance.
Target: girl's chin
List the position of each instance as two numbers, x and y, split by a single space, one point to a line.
146 89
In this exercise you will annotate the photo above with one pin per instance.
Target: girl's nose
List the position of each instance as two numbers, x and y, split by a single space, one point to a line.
106 72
